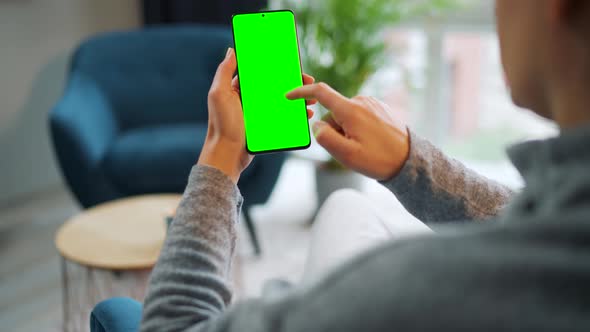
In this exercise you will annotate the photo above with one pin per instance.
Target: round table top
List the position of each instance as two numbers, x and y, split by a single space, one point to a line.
120 235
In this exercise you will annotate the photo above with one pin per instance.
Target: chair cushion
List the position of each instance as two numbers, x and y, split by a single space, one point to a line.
155 159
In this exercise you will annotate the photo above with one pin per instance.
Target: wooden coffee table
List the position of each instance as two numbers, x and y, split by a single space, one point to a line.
108 251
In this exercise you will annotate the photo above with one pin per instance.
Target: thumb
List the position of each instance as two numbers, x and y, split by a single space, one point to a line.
339 146
225 71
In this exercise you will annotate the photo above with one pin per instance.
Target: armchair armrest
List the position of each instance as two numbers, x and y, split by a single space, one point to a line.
83 127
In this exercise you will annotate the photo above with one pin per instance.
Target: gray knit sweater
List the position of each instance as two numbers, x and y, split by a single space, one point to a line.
527 272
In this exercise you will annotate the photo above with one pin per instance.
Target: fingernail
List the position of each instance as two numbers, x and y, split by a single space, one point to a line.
229 50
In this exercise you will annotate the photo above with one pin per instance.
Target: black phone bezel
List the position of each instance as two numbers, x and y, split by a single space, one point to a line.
263 13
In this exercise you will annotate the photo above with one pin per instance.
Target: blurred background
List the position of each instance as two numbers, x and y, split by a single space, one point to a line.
96 98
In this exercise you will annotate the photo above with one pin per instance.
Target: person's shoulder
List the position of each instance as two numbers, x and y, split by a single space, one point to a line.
497 245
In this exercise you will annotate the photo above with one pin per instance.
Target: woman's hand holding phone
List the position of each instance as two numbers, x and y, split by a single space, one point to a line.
225 145
362 133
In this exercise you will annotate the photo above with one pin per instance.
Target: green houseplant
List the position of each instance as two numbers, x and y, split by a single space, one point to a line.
342 43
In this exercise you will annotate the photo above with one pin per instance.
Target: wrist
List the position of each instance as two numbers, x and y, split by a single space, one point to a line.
402 146
222 156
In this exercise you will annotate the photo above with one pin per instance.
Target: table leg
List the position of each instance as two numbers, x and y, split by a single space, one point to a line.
64 294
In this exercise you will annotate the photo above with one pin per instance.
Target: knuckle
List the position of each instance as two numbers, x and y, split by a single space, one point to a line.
350 154
322 89
360 103
320 137
358 111
357 150
214 94
322 86
345 155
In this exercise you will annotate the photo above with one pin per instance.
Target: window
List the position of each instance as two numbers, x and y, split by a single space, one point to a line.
446 79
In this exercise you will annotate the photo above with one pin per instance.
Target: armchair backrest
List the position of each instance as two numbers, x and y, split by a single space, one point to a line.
154 76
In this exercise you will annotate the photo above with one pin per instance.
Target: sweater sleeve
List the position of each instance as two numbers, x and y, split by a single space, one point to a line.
436 188
485 279
189 284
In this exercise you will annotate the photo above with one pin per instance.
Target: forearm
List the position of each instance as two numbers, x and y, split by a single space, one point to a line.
442 283
190 282
436 188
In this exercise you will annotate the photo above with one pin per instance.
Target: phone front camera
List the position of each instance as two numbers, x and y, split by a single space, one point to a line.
262 15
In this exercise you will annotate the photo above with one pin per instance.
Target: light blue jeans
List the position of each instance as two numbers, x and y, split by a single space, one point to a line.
116 315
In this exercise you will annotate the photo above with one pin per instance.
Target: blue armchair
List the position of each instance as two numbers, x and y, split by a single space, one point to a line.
118 314
133 116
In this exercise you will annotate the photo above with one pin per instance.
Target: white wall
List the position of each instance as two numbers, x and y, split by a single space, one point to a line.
36 39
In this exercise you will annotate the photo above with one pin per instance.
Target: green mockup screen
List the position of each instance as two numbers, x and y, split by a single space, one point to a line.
268 67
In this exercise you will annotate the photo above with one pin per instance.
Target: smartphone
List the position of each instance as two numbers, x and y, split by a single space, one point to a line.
269 66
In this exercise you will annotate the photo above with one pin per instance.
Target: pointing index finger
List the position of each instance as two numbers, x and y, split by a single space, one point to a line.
324 94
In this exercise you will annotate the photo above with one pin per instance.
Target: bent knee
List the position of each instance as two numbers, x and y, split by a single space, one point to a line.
339 206
342 197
